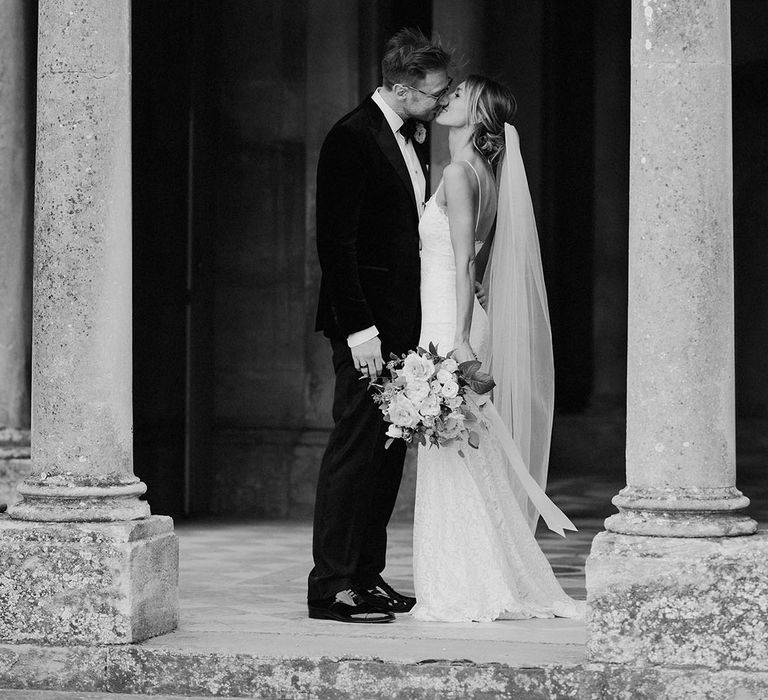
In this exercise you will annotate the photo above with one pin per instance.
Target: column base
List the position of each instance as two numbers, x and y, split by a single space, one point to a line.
681 512
58 498
15 464
88 583
680 523
671 602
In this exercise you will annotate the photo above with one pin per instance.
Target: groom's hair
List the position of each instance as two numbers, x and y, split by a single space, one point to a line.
409 55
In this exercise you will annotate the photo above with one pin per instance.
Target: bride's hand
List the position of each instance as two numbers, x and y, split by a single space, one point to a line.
463 352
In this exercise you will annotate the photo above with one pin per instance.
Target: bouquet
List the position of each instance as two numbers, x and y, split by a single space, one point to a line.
431 400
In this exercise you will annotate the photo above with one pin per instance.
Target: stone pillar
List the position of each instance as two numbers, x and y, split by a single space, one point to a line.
82 444
16 126
97 576
681 467
667 584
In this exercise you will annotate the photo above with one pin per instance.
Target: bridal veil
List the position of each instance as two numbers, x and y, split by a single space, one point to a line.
521 359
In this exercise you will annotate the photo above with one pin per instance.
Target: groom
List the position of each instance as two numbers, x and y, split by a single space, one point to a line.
371 188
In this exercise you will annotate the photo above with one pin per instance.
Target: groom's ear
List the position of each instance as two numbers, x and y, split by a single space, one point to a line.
399 91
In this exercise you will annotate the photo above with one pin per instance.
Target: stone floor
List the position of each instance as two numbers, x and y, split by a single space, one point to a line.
244 629
243 589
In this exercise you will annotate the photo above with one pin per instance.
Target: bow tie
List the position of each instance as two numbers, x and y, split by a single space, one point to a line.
408 129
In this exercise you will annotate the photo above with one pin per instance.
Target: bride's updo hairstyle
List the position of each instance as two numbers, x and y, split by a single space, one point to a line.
489 106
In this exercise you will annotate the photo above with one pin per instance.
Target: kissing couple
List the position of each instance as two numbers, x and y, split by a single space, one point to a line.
402 269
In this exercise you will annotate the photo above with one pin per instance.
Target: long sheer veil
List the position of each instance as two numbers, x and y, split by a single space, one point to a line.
521 359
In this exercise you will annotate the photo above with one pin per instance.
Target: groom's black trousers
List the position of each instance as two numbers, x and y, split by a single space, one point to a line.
356 489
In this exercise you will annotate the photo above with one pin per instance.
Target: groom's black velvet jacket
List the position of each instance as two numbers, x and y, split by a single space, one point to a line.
367 232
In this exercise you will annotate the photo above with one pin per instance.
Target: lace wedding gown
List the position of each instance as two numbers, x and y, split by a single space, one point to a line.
474 556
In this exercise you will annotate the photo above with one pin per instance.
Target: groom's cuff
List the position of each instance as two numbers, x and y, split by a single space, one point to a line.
361 337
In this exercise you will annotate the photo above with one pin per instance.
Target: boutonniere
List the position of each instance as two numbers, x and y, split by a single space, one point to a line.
420 132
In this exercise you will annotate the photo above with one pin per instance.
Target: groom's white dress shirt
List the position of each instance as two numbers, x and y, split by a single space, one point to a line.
395 121
418 181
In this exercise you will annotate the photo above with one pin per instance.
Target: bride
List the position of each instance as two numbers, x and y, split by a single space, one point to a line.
475 555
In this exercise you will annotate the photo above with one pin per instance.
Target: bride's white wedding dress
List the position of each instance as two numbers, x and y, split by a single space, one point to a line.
474 556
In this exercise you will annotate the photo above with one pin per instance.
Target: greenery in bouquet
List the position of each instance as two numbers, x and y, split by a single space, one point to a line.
429 399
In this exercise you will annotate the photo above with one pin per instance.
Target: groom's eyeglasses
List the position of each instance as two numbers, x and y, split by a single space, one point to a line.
436 96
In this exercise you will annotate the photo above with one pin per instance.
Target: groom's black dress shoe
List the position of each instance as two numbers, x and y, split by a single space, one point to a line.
349 606
390 599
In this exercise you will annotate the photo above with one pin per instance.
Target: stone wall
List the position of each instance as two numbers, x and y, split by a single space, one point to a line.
272 378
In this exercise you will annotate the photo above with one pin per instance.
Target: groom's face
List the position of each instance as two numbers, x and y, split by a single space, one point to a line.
428 96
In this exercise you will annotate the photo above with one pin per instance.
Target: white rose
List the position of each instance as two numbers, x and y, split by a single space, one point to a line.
395 431
420 133
444 376
417 390
402 412
416 367
450 389
454 402
449 365
430 406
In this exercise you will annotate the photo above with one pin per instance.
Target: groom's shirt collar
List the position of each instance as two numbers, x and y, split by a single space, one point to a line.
394 120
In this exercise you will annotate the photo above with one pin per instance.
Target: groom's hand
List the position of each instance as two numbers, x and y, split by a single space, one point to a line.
482 297
367 358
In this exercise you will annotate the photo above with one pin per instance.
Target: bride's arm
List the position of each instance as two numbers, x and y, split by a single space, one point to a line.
484 254
460 200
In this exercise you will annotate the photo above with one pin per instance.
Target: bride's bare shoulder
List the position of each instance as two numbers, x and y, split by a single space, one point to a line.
457 171
458 179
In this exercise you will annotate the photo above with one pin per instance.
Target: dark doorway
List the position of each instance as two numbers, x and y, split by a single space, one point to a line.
229 401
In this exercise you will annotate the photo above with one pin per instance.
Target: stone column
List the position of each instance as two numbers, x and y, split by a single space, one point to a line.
96 576
667 584
16 126
681 466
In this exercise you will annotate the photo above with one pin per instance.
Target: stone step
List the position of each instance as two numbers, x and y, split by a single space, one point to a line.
270 667
16 694
30 672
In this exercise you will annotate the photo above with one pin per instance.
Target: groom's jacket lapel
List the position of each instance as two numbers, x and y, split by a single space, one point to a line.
367 233
386 141
422 151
